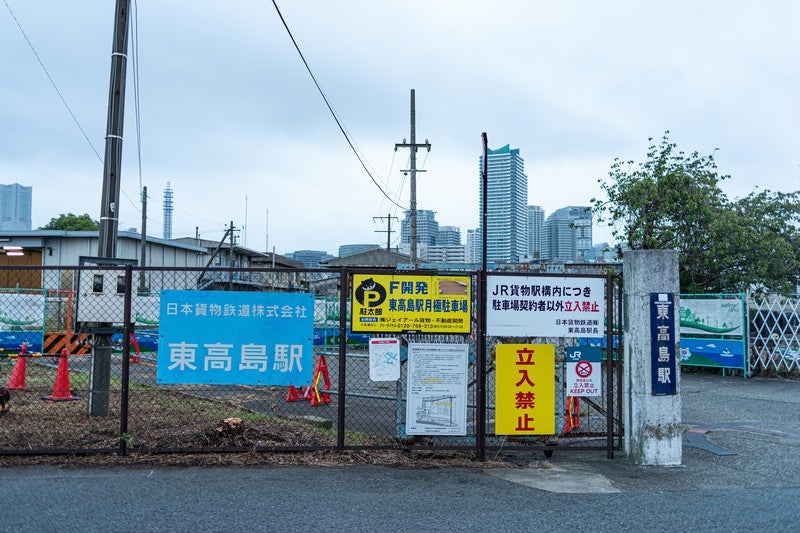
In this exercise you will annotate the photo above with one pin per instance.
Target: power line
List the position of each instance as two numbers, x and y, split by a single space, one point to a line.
52 81
327 103
135 39
58 92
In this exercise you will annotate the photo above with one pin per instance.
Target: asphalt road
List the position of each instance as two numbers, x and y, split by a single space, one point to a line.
740 472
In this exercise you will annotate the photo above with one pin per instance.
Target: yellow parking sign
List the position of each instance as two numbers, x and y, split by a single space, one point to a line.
410 302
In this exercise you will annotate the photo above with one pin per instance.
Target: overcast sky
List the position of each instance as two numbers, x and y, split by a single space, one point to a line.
230 118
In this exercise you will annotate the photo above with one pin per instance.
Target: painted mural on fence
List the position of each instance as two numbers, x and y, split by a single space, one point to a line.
712 331
21 321
715 316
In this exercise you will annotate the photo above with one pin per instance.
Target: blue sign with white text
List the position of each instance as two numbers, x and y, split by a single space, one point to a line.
235 338
662 343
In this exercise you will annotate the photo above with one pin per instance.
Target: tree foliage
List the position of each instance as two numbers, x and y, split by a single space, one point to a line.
673 201
70 222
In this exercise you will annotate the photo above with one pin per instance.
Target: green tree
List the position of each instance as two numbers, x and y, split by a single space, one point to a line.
70 222
673 201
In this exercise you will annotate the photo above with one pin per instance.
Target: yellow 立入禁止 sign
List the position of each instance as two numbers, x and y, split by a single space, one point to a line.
410 302
525 389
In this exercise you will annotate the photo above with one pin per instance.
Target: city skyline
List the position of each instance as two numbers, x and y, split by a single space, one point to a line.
239 129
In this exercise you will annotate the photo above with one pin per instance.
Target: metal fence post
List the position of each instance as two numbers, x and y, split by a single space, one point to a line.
344 292
127 331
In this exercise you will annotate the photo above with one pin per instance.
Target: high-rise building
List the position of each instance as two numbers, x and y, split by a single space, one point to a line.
507 202
474 246
352 249
446 254
567 234
427 227
535 223
448 236
15 207
310 258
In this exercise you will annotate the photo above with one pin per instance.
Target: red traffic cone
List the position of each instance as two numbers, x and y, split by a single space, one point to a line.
17 379
61 389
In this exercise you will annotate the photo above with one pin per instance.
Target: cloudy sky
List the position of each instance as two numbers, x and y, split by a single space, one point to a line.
228 115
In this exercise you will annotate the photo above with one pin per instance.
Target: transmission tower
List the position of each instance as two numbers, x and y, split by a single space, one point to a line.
168 212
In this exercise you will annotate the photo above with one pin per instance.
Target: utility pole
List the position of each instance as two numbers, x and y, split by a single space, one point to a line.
388 218
143 262
100 376
230 258
413 171
109 206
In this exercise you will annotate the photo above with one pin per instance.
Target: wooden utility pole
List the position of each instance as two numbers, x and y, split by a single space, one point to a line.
388 218
109 206
100 376
413 171
143 261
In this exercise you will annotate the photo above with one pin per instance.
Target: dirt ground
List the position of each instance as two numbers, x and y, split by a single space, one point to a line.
164 419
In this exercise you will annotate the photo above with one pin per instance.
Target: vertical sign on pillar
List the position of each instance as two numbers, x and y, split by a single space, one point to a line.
662 343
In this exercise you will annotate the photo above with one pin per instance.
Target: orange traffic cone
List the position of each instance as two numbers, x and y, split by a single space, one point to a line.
61 389
17 379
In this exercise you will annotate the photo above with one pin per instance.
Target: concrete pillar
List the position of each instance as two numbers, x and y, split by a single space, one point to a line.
653 432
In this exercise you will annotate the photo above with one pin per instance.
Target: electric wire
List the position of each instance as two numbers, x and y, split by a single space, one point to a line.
328 104
52 81
58 92
137 109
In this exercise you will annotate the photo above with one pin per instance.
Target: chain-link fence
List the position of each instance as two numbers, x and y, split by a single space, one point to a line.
92 358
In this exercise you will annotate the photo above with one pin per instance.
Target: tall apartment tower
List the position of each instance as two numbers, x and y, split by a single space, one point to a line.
168 212
567 234
507 200
474 245
535 223
15 207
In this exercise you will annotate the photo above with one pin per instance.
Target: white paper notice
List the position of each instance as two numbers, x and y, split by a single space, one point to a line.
437 389
384 359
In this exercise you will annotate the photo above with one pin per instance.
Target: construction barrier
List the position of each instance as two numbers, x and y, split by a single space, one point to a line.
75 343
311 392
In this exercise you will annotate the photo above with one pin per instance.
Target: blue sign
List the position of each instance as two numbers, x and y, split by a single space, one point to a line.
662 343
713 352
583 353
235 338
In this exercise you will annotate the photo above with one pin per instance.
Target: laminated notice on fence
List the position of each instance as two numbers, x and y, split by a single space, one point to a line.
384 359
437 389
